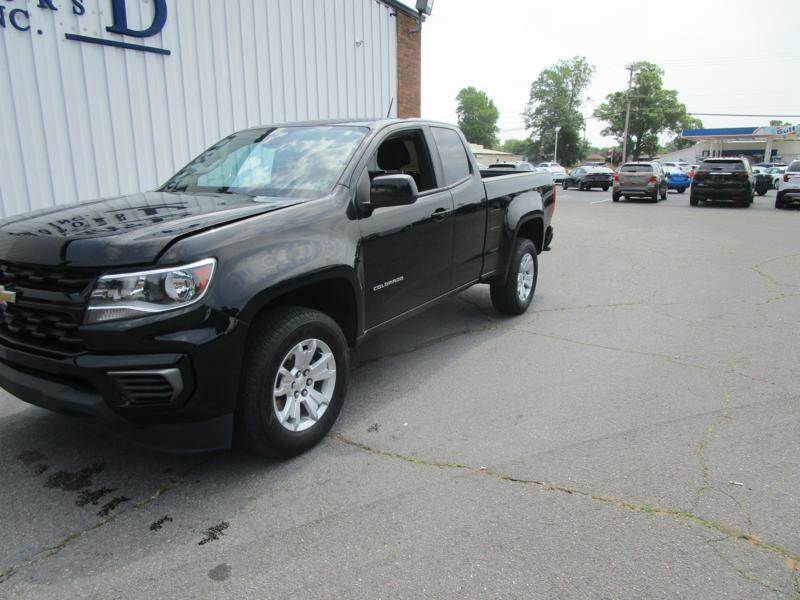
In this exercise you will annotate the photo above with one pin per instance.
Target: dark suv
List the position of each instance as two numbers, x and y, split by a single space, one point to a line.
727 179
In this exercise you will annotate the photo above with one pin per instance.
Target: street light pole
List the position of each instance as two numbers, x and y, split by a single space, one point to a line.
555 152
631 68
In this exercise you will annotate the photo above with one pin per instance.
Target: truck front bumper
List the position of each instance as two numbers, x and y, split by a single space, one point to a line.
180 398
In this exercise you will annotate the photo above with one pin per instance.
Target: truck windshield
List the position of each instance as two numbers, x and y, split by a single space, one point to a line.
287 162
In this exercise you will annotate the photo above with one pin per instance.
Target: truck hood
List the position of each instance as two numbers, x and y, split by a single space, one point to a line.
125 230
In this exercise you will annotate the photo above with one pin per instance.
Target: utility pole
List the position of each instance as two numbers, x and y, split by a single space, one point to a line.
630 68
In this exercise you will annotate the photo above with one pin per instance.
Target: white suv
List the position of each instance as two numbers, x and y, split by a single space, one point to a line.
789 186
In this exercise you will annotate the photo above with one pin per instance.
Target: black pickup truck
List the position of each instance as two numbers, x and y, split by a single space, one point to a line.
223 305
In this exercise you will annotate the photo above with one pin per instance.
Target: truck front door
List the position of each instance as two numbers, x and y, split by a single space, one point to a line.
407 251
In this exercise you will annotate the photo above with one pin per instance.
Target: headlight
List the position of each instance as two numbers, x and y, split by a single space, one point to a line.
135 294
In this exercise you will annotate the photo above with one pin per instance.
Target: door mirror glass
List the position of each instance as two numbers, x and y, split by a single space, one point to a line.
392 190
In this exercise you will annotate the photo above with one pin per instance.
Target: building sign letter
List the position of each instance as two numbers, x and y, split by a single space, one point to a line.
120 25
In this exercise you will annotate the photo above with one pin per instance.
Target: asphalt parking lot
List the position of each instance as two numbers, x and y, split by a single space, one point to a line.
634 435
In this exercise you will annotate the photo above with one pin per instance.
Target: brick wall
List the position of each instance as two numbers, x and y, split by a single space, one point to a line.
408 66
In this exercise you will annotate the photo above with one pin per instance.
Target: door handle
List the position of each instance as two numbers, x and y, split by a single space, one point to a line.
440 214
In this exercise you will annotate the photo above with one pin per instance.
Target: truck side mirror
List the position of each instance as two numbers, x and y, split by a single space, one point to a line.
392 190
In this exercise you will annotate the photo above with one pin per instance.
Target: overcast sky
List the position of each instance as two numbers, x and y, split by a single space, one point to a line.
723 56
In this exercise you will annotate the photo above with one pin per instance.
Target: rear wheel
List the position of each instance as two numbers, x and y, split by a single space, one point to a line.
681 190
779 201
693 201
513 296
664 194
564 184
615 197
761 191
654 197
605 188
294 381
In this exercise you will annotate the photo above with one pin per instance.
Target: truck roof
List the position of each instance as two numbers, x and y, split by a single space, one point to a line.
371 123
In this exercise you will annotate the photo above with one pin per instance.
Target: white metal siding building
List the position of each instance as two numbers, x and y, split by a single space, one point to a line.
83 119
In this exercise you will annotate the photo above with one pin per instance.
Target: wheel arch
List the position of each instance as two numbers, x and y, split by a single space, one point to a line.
333 292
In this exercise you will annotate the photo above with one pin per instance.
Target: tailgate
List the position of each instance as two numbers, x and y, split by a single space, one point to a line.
793 179
726 179
634 179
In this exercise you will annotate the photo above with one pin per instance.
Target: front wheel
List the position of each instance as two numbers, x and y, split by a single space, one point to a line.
294 381
513 296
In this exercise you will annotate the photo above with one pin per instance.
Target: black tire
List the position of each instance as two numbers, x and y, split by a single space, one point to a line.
605 188
693 201
664 194
271 339
761 191
565 185
504 295
779 201
681 190
615 196
654 197
580 186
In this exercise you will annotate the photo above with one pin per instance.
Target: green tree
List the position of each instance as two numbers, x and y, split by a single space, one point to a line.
555 100
679 143
778 123
654 110
520 147
477 117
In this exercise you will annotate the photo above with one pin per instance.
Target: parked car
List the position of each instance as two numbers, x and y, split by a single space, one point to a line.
677 179
762 180
640 180
585 178
727 179
674 165
789 186
776 173
558 172
519 165
227 300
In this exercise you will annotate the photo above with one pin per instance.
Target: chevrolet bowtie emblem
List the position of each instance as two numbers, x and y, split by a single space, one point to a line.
7 297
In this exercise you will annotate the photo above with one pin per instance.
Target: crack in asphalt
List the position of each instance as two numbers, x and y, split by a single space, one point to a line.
667 357
700 448
739 570
729 531
771 281
7 572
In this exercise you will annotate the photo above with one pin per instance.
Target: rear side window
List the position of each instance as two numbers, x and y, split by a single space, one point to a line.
723 165
637 169
453 154
794 167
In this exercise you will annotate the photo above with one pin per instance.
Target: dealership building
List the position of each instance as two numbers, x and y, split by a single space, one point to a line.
108 97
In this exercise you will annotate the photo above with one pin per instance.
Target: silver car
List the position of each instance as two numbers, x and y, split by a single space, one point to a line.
640 180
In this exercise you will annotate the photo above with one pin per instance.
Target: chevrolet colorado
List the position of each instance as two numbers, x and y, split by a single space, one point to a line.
222 306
